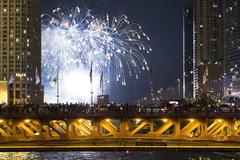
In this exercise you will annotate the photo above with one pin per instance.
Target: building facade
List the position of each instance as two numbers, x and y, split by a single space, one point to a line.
188 52
231 47
20 49
207 45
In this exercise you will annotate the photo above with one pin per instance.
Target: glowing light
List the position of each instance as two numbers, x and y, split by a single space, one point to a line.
191 120
219 120
27 120
74 87
77 83
37 134
70 42
80 120
1 120
165 120
138 120
108 120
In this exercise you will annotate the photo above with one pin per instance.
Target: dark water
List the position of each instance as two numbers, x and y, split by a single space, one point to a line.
112 156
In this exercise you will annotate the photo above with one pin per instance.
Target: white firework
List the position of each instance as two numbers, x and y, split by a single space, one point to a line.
71 41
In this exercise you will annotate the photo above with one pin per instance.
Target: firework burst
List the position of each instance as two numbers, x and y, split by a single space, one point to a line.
71 41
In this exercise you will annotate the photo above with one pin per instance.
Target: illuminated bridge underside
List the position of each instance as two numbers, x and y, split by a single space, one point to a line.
99 133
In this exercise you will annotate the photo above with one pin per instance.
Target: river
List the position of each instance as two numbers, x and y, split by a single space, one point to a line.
113 156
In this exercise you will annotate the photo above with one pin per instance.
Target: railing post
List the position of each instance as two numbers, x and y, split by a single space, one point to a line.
205 127
40 129
123 128
233 129
96 127
177 127
67 121
151 127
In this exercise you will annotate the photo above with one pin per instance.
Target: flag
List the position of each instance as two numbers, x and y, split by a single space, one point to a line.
205 75
90 75
10 79
54 82
101 82
37 78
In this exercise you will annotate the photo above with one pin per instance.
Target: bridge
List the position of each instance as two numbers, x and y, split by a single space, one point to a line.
78 127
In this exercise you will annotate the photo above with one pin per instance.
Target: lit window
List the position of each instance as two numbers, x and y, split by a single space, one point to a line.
17 9
28 19
4 10
24 31
201 26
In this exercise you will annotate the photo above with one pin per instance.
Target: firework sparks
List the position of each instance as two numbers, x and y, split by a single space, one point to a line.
71 41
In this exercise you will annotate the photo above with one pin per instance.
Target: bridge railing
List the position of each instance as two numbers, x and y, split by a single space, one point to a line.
115 110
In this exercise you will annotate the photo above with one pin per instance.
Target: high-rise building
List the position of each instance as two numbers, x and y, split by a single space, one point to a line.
231 47
207 47
188 52
20 49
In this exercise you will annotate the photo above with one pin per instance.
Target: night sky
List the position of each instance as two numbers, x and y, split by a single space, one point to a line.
161 20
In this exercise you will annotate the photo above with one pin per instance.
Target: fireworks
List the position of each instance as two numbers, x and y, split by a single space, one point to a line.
71 41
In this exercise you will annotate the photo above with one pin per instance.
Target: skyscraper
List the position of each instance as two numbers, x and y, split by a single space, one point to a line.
20 49
188 52
207 47
231 47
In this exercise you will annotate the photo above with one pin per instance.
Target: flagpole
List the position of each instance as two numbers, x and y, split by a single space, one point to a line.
10 85
91 94
91 84
151 84
101 83
58 81
102 88
58 87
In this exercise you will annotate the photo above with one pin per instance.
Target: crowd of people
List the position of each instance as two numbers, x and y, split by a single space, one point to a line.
96 109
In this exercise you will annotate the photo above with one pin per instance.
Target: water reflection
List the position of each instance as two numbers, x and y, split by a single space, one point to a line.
110 156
